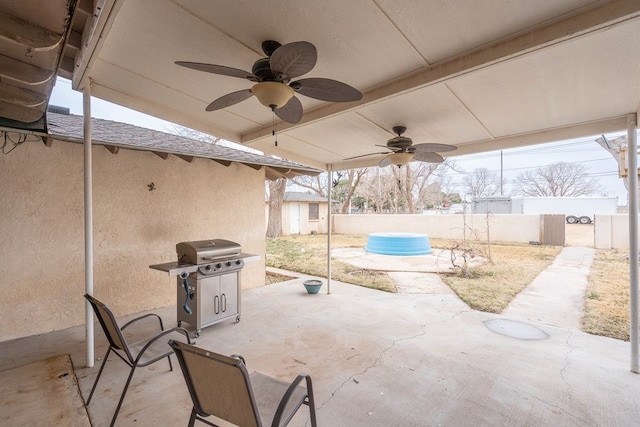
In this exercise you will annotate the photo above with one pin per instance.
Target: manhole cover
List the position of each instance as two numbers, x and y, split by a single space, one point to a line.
515 329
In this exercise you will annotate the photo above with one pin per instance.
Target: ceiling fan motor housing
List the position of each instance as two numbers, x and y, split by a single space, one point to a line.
400 142
270 46
262 69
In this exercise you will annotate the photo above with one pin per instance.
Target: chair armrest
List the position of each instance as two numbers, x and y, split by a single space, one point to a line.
143 317
237 356
160 335
287 396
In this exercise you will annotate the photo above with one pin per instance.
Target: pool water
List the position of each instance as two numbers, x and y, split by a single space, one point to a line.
398 244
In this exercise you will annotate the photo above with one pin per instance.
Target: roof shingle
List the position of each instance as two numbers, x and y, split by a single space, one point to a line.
69 127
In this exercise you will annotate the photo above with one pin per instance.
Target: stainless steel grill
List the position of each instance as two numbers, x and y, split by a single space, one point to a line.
208 281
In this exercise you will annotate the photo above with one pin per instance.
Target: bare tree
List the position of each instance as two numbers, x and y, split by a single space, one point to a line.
557 180
400 189
370 189
421 183
390 199
277 189
194 134
482 183
317 184
349 185
406 189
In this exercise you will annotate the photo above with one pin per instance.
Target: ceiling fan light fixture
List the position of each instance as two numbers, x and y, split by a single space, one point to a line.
272 94
400 159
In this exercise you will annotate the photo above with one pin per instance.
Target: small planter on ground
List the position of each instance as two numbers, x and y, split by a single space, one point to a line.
312 285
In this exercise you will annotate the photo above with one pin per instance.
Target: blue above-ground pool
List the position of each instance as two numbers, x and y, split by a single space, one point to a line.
398 244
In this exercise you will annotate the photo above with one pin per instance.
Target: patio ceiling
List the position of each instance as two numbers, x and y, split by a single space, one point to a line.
479 75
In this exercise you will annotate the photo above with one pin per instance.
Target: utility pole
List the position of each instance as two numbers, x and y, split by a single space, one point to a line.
501 171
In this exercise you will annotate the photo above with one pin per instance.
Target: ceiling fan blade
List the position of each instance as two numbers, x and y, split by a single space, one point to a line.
326 90
425 156
294 59
219 69
291 112
365 155
392 149
384 162
229 99
434 148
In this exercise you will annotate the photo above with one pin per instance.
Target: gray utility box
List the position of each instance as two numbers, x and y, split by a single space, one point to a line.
494 205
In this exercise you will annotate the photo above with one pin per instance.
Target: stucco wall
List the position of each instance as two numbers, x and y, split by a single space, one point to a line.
42 229
508 228
612 231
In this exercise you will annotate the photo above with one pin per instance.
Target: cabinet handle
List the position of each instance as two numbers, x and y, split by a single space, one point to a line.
223 299
216 304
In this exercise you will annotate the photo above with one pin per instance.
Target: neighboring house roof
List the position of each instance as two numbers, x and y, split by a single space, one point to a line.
296 196
115 135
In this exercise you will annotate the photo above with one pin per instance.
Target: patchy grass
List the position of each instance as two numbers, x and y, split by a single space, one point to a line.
491 286
308 253
606 307
271 278
488 287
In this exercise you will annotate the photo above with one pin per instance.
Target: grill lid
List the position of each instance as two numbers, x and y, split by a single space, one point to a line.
206 251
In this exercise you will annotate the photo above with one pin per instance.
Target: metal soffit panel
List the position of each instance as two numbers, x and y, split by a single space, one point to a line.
480 76
38 41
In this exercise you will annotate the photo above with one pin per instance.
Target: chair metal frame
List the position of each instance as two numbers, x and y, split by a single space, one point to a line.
119 346
292 399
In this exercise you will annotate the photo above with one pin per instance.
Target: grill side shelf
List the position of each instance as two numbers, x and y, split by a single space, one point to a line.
175 269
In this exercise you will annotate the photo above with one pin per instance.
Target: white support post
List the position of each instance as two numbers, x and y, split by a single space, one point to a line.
329 180
632 124
88 222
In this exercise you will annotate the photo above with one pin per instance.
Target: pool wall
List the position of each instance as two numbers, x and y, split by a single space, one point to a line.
399 244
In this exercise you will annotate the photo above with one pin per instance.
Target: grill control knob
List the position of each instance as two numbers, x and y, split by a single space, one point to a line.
238 261
228 263
208 267
218 265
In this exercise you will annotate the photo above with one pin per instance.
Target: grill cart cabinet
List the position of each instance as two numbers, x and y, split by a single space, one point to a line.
212 299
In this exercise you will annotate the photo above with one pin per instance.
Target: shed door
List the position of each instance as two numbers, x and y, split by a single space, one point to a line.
294 218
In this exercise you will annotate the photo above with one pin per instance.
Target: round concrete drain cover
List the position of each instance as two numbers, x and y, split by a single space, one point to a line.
514 329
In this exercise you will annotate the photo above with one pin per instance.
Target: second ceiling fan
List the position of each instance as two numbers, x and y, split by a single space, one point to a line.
273 74
402 150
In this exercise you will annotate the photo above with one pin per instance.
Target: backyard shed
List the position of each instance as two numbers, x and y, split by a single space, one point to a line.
304 213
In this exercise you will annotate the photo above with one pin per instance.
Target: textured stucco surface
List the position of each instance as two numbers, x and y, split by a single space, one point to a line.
612 231
42 229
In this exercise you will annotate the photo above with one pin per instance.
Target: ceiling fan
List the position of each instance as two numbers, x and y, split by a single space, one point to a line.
273 74
403 151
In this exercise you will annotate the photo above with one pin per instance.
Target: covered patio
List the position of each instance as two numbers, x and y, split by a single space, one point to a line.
478 75
378 359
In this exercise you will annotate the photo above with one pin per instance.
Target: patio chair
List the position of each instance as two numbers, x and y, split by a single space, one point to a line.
143 352
220 386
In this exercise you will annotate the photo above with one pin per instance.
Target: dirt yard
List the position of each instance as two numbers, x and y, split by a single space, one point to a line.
579 235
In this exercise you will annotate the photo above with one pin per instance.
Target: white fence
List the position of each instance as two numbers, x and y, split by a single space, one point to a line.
612 231
506 228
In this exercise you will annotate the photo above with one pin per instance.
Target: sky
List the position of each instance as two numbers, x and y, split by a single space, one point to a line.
585 151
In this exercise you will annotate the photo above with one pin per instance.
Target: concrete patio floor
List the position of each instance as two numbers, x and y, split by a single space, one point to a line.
380 359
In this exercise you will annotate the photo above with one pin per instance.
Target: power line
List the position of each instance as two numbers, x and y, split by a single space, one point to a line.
544 165
543 148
